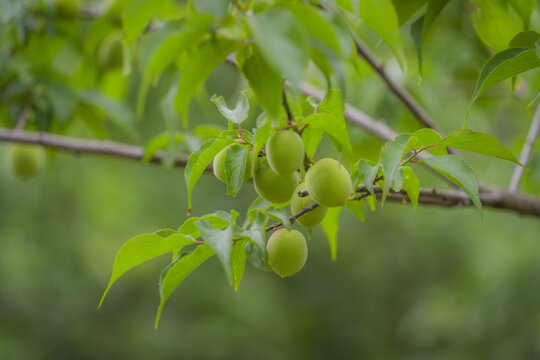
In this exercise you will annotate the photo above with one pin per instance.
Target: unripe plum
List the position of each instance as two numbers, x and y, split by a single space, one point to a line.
329 183
311 218
273 187
285 151
219 165
25 161
287 252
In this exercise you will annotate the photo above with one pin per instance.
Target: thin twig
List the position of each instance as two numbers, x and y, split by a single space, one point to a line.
526 151
285 102
23 118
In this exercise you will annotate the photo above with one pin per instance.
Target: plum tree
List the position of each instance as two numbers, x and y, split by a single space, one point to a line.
285 151
219 165
329 183
25 161
287 252
273 187
311 218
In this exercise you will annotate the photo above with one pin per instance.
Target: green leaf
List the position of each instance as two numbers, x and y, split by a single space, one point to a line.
524 39
423 25
236 115
411 185
381 17
115 111
217 8
465 139
221 242
329 119
330 226
279 214
142 248
158 143
357 208
311 138
278 36
525 9
235 167
495 23
197 67
238 262
219 220
316 25
265 83
136 16
368 172
397 182
502 66
160 47
199 160
459 172
263 133
406 8
177 271
422 138
390 161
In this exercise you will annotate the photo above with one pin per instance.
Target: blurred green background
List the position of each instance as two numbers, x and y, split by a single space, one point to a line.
430 283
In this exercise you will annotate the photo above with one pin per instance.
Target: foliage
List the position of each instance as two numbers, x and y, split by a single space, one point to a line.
275 45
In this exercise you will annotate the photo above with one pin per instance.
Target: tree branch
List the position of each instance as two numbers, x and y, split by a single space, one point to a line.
526 151
398 90
81 146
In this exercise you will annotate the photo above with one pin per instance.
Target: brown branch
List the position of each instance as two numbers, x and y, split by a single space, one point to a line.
81 146
293 218
398 90
285 102
494 198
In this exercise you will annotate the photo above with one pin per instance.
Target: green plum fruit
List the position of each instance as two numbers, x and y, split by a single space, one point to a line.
329 183
287 252
311 218
219 165
25 161
285 152
273 187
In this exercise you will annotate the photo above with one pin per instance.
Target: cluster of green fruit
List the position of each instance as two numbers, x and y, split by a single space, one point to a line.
276 180
25 161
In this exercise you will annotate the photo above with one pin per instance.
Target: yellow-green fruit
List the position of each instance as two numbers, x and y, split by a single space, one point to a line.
25 161
311 218
285 151
329 183
111 51
219 165
273 187
287 252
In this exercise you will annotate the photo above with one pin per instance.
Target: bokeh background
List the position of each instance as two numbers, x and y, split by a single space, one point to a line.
430 283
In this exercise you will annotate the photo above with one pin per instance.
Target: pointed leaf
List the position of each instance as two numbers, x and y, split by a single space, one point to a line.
177 271
220 241
390 161
199 160
235 167
465 139
368 172
136 16
357 207
459 172
311 137
219 220
236 115
525 39
142 248
198 66
330 226
424 137
238 262
381 17
411 185
278 36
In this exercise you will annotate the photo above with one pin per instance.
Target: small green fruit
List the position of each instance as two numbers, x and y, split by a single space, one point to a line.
287 252
219 165
311 218
273 187
285 151
25 161
329 183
